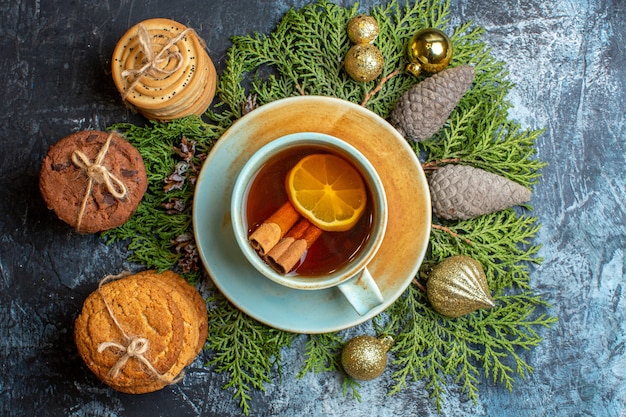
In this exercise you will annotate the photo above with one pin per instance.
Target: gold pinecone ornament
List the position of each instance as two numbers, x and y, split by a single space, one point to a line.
425 108
458 286
461 192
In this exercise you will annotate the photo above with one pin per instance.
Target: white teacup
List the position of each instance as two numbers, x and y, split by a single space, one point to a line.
352 279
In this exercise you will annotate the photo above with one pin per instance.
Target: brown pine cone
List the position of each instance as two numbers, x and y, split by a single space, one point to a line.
461 192
425 108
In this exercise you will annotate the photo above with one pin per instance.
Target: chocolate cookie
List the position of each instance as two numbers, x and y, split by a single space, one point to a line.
93 180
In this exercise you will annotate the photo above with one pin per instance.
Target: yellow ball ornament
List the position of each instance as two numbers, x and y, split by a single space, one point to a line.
365 357
364 62
429 50
362 29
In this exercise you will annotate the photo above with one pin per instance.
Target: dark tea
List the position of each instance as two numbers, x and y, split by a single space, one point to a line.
267 193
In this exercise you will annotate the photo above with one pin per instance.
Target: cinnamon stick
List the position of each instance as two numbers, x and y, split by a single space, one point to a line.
290 249
284 238
269 233
290 237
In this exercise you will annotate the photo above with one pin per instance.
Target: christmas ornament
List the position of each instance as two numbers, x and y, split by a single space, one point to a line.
425 108
365 357
363 62
362 29
461 192
429 50
458 286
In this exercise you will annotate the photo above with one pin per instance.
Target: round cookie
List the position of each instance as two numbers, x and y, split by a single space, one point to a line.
189 316
136 301
193 309
180 78
64 184
192 296
141 310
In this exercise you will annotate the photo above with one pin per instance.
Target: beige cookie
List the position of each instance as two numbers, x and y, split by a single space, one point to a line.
162 69
190 295
160 307
139 310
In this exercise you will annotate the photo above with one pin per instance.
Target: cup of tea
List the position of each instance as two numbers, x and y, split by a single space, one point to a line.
334 258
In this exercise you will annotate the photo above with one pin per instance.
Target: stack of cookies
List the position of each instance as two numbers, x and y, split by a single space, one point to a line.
162 69
139 332
93 180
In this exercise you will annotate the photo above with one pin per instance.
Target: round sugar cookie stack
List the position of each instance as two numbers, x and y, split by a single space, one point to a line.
161 68
139 332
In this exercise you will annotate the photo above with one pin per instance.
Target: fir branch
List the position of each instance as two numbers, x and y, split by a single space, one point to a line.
243 348
151 230
418 347
351 385
453 234
429 346
501 242
321 353
304 55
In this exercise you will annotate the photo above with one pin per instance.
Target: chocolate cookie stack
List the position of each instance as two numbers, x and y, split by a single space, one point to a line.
93 180
139 332
162 69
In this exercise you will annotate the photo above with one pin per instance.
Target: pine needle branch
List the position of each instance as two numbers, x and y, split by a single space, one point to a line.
321 353
243 348
304 55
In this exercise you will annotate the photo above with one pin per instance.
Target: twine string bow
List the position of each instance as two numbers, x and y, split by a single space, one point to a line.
98 173
154 63
132 346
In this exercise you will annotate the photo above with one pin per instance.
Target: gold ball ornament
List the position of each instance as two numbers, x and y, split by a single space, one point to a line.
429 50
458 286
363 29
365 357
364 62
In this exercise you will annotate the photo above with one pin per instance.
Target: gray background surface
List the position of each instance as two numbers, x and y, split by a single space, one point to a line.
568 60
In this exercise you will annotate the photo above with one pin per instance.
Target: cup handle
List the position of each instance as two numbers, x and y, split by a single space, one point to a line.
362 292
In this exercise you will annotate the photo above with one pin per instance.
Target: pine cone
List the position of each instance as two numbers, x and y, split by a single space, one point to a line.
424 109
460 192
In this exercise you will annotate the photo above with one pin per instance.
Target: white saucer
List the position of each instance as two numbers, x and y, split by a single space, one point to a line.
408 228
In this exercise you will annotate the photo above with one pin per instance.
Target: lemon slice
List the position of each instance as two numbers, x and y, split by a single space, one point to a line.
328 191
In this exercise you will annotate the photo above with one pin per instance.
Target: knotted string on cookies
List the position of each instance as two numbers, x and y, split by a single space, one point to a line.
135 348
131 346
97 172
152 60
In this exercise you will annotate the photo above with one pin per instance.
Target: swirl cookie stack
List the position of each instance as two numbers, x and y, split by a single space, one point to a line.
161 68
139 332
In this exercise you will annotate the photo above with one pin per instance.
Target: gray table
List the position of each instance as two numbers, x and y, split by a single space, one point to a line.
568 59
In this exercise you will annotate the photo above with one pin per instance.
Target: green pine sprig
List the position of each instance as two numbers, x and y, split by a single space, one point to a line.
321 353
500 241
244 349
151 230
441 350
304 55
